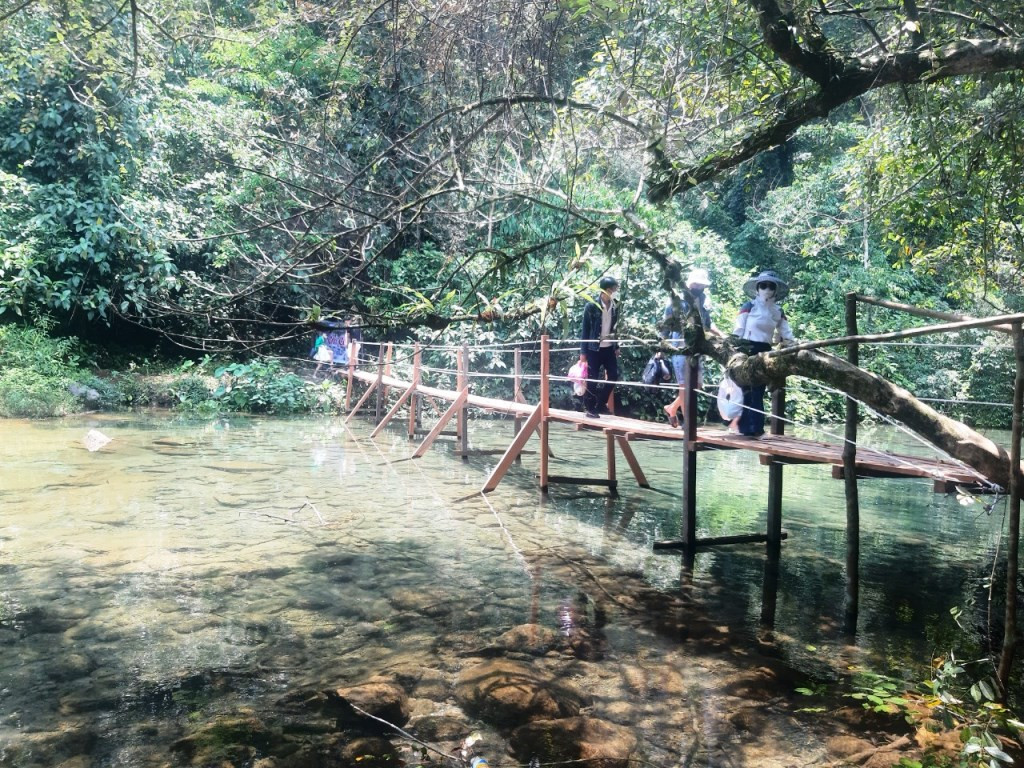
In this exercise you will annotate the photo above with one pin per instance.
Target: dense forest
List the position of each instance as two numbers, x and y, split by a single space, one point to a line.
221 175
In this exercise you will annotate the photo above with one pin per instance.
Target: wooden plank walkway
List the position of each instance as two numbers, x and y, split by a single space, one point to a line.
782 449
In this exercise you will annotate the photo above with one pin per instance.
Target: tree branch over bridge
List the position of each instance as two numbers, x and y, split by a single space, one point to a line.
838 78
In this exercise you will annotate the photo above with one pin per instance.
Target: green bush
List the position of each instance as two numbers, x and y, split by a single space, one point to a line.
263 387
35 371
25 393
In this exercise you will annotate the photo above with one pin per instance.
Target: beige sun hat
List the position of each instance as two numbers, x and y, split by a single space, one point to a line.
699 276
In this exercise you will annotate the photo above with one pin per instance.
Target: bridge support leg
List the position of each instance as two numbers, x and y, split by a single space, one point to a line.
545 391
852 596
609 451
778 427
688 521
462 424
517 396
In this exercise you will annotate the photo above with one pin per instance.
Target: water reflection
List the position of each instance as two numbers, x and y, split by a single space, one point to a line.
190 569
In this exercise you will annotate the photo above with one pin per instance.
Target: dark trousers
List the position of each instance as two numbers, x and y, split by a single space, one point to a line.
597 393
752 418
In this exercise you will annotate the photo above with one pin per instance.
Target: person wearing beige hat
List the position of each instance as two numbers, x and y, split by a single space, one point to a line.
698 282
761 322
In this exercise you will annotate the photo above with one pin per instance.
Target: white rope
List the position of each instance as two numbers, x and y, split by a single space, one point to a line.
964 402
941 346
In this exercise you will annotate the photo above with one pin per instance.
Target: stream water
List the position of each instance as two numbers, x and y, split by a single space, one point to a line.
192 570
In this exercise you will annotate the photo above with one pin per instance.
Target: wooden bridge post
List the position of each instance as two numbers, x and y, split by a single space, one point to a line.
1010 640
777 427
462 428
852 596
380 387
545 391
348 384
609 450
688 520
517 394
414 403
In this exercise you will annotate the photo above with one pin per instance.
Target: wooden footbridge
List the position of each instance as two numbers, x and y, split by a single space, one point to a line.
776 449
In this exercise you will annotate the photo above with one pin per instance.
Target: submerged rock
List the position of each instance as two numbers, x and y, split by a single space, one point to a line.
371 752
381 698
597 743
434 728
529 638
233 738
509 692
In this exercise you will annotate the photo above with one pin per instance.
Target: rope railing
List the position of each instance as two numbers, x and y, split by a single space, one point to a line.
404 353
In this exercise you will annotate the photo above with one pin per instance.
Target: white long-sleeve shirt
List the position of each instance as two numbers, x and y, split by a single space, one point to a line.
760 320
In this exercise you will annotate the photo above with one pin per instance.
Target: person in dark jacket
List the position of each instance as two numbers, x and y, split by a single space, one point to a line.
599 348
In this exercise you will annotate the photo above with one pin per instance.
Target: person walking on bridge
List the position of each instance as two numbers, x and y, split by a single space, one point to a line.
761 322
698 282
599 348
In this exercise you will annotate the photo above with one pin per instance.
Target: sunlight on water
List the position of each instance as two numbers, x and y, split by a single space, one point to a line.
191 569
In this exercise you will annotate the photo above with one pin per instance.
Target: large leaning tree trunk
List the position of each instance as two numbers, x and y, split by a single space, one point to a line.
958 440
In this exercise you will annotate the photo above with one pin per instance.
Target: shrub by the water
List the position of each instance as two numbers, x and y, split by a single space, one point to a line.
263 387
35 372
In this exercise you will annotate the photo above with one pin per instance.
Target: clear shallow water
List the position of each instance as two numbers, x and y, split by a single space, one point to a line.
193 569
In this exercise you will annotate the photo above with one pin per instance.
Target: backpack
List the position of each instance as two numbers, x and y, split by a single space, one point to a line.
656 371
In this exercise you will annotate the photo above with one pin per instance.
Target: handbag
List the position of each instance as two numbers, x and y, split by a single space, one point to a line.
578 378
730 399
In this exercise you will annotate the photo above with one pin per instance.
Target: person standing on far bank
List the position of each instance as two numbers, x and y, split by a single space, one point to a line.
599 348
761 321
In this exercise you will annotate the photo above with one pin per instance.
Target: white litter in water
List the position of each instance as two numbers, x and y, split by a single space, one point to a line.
94 440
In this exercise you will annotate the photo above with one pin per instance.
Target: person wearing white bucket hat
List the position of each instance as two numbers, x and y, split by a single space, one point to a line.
698 282
761 322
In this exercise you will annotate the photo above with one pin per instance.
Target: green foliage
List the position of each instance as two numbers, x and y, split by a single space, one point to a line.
262 387
29 394
970 705
35 371
950 700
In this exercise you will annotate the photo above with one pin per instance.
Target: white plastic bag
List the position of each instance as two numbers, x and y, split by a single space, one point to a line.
578 378
730 399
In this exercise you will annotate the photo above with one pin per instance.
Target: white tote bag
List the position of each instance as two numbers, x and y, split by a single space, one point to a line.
730 399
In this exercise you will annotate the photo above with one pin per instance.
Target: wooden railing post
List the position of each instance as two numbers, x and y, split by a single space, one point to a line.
383 389
688 519
852 596
517 394
414 403
545 392
777 427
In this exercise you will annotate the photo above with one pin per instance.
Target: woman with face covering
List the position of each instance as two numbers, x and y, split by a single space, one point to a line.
761 322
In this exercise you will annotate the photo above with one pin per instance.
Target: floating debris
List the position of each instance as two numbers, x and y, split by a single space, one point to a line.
94 440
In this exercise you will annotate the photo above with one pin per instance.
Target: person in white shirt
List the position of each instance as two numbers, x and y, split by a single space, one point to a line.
761 322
